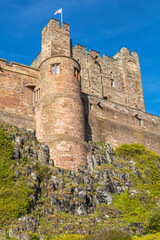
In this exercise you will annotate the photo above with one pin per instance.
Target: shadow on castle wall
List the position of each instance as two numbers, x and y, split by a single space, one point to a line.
87 128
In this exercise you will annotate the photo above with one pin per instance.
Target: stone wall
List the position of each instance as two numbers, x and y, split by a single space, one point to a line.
59 112
118 124
55 41
117 79
17 83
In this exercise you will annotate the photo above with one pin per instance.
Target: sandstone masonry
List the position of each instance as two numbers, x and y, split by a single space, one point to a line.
70 96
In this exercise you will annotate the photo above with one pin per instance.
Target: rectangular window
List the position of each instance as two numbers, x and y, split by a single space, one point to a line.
36 95
112 83
55 69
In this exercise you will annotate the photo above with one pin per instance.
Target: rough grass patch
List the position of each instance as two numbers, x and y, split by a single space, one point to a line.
109 235
14 194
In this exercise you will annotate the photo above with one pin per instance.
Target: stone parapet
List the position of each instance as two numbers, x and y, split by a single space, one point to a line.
17 84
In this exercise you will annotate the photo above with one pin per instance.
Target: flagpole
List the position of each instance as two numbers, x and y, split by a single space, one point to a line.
61 18
59 11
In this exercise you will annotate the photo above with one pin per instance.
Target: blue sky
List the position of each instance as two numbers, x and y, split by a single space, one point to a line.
102 25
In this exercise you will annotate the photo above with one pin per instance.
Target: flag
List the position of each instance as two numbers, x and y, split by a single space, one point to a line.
58 11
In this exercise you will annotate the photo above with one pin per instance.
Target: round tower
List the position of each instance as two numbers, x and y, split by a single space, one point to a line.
59 111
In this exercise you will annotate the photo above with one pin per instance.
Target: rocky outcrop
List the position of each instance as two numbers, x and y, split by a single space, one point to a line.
58 190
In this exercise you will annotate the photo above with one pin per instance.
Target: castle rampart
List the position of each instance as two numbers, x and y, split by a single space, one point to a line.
114 123
123 71
70 95
17 83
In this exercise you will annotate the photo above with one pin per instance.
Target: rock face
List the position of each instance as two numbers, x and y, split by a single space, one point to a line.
57 190
79 193
91 185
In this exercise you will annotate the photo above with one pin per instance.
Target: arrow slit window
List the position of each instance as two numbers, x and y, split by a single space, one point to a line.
112 81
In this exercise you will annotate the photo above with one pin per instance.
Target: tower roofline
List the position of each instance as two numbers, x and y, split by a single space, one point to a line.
56 23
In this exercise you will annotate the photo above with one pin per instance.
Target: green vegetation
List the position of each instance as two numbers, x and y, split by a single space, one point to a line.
132 208
14 194
143 168
148 237
103 235
154 220
34 236
145 181
70 237
109 235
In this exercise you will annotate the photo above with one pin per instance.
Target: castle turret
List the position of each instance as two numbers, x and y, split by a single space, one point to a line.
132 79
55 39
59 111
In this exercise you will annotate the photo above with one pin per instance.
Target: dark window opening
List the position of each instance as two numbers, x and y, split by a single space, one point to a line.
112 83
105 97
140 122
91 107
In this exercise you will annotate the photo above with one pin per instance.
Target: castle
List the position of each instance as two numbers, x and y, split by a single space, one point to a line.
71 96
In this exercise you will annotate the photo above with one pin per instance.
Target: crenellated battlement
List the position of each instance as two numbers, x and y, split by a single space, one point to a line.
131 55
92 52
123 52
111 77
54 24
19 68
56 41
80 47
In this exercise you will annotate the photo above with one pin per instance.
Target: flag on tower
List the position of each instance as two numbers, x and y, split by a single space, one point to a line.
58 11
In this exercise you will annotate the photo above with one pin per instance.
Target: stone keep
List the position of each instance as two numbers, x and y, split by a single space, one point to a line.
70 96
